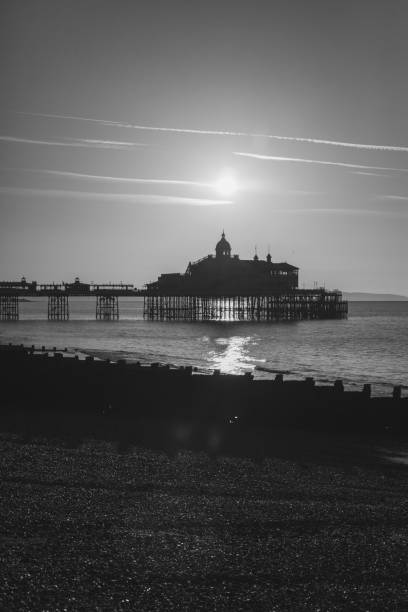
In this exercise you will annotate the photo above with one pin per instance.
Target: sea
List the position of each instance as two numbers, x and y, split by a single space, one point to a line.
370 346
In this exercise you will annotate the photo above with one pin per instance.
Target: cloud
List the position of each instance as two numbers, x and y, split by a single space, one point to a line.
302 192
132 198
343 211
109 143
299 139
393 197
76 142
380 174
158 199
114 179
303 160
132 126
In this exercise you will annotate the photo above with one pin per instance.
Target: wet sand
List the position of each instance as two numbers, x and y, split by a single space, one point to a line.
316 522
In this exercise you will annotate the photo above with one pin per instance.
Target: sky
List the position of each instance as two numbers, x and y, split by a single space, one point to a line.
133 133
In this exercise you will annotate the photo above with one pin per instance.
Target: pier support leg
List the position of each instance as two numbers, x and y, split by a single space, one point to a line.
285 306
9 308
58 308
107 307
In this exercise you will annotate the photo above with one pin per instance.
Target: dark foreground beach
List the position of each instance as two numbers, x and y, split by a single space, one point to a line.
320 522
130 488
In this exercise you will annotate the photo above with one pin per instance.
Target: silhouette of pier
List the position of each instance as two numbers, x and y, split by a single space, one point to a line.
9 308
227 288
299 304
221 287
107 297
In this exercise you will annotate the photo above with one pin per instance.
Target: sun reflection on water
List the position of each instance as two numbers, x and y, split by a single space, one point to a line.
232 357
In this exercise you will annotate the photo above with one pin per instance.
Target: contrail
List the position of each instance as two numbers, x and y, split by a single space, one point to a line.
343 211
153 128
303 160
132 198
362 173
317 141
113 179
114 143
393 197
76 142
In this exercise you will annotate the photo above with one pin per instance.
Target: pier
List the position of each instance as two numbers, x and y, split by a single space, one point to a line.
9 308
225 288
106 306
214 288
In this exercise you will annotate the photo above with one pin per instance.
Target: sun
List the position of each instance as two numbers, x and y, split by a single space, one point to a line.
227 184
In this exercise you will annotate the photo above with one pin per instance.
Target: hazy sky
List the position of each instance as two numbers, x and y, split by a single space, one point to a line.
118 119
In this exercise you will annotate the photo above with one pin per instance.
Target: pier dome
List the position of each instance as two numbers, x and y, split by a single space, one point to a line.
223 247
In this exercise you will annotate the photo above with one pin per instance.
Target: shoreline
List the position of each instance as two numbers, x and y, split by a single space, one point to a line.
135 391
379 388
351 350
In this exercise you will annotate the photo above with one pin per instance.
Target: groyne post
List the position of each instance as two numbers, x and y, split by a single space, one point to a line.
396 392
367 390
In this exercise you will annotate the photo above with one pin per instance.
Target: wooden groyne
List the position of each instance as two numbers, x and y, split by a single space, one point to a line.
39 380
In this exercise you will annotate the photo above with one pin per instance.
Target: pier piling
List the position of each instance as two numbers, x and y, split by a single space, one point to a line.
107 307
9 310
58 307
294 306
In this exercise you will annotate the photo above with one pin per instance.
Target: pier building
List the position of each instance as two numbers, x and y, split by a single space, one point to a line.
225 287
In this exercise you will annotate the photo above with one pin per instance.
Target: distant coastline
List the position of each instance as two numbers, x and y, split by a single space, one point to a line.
360 296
